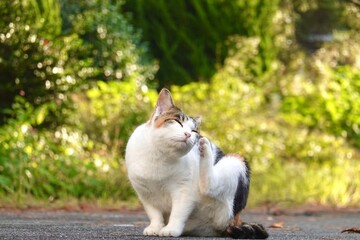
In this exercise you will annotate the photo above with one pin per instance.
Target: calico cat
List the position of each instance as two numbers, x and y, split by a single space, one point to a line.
186 184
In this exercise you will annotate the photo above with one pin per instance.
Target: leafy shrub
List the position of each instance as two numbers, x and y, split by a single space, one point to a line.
332 104
81 159
111 48
43 59
63 164
110 111
32 55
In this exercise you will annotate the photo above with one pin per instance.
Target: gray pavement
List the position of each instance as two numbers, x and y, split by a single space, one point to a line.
129 225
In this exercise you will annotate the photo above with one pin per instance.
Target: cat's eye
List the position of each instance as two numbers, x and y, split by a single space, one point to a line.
195 131
176 120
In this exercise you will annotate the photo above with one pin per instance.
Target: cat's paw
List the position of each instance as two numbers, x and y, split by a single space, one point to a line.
170 231
153 229
204 147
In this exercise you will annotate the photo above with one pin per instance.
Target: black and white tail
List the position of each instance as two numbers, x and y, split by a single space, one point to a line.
239 229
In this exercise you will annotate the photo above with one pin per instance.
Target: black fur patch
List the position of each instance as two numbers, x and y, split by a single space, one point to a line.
219 154
242 191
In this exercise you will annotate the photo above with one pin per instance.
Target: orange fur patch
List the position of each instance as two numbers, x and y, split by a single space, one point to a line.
173 113
237 220
159 122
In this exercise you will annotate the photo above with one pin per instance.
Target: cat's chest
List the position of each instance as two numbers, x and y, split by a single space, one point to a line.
157 192
161 181
155 182
153 169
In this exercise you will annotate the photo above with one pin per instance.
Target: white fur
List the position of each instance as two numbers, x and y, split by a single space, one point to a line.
181 189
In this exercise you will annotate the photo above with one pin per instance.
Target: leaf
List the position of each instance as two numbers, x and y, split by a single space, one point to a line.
5 181
277 225
351 230
41 114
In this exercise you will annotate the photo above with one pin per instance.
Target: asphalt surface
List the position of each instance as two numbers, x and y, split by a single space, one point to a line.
129 225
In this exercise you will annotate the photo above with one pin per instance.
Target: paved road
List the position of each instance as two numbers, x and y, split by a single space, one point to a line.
122 225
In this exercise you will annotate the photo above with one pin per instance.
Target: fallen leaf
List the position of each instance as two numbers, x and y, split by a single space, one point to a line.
351 230
277 225
278 212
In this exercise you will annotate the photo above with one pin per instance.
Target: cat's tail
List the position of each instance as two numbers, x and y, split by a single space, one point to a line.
247 231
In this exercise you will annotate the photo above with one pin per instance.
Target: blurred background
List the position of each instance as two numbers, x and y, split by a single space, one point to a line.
275 80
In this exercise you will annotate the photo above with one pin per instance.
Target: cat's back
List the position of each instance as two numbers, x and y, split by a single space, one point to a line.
136 140
137 148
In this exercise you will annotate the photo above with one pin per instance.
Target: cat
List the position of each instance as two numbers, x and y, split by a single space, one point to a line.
186 184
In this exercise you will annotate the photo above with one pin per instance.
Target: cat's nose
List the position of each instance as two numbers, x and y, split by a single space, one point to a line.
187 135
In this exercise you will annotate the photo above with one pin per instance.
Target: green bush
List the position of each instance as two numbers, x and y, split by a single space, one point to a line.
81 159
60 164
43 57
110 111
33 55
331 104
111 47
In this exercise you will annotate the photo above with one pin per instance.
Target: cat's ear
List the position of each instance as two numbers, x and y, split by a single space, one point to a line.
164 103
197 120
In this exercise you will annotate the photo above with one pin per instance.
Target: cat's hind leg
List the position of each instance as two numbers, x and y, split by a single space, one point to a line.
242 230
220 182
224 179
228 180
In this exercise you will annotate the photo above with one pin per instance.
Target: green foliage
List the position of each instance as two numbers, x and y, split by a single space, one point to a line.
110 111
32 58
56 164
42 59
111 47
189 37
332 104
81 159
46 16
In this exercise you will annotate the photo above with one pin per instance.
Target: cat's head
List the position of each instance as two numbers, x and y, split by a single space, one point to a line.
172 130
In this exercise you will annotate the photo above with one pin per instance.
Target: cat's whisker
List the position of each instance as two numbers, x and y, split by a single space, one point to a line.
180 138
190 141
177 139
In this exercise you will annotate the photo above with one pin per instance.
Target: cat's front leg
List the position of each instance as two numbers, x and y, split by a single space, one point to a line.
182 206
171 231
156 220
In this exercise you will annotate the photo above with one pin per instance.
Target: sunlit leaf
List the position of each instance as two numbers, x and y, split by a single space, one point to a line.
41 114
277 225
